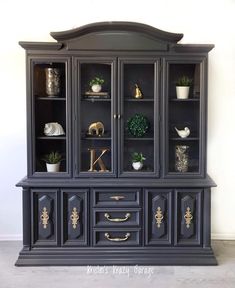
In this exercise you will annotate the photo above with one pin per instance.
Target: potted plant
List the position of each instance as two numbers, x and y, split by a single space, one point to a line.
182 87
96 84
137 160
53 160
138 125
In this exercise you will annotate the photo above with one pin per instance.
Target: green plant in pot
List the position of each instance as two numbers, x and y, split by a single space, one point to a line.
52 160
137 160
96 84
138 125
182 87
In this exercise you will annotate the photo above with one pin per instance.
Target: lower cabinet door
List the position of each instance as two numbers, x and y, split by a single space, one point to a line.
188 203
74 217
44 217
158 207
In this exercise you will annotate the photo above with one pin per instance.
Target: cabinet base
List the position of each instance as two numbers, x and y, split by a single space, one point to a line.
145 256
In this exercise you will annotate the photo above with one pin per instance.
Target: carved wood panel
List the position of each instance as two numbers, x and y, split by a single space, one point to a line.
188 216
45 217
75 221
158 216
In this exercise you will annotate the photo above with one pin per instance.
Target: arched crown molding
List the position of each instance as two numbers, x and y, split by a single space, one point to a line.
117 26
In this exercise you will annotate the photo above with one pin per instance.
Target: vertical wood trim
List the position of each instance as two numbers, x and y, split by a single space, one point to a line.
207 218
26 211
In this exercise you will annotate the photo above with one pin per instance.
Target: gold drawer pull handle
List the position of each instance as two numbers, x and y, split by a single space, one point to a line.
158 217
44 217
117 197
127 216
107 236
188 217
74 217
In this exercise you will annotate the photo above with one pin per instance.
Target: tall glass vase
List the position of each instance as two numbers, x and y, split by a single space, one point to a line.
53 82
181 158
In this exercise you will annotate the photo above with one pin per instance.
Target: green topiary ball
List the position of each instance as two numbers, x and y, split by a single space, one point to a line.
138 125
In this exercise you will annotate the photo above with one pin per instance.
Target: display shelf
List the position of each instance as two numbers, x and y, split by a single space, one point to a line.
51 137
47 98
185 100
184 139
138 100
139 139
96 99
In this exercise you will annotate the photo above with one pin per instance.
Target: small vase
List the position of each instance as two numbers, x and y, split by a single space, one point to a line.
181 158
52 82
137 165
53 167
96 88
182 92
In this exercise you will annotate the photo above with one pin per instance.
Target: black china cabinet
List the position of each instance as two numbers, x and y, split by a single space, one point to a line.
131 185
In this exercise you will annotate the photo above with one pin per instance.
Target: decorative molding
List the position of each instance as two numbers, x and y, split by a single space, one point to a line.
214 236
117 26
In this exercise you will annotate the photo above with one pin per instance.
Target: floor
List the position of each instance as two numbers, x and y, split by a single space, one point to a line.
222 276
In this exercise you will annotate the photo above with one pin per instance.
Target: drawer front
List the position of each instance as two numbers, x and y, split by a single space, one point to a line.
116 237
44 218
74 217
116 217
158 216
188 209
116 197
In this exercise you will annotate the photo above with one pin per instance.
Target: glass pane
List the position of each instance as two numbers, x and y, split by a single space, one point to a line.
95 119
138 122
49 96
184 118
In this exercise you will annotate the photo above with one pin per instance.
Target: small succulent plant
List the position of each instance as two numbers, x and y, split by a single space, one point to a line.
138 157
184 81
52 158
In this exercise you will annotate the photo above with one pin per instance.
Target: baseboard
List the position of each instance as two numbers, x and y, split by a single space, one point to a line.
11 237
214 236
222 236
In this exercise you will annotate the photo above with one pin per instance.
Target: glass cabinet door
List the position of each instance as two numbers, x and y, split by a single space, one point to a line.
95 127
50 100
138 117
184 133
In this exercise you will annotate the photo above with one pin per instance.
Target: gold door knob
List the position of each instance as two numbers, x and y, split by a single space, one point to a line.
127 216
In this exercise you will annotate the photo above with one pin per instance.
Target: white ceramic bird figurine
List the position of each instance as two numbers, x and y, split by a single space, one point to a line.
183 133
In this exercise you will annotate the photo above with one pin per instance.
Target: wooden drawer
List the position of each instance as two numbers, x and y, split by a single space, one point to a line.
116 197
116 237
116 217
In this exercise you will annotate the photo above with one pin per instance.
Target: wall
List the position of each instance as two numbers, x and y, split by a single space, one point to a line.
201 21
